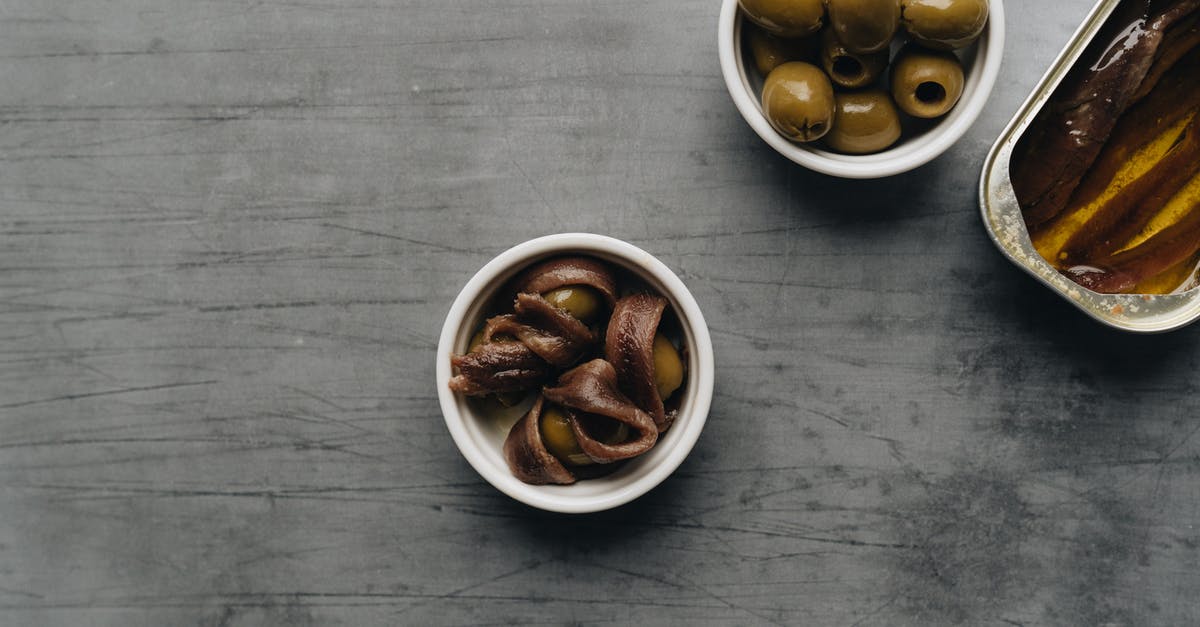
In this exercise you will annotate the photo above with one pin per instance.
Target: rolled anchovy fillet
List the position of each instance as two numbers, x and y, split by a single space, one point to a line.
552 333
564 271
498 367
526 453
590 393
629 346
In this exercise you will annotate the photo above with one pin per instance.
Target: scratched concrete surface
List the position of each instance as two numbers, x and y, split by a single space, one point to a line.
229 232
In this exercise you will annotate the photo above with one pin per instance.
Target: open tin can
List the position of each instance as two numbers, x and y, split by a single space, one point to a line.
1005 223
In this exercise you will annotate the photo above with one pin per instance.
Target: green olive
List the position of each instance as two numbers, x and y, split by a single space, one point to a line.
864 25
581 301
850 69
797 98
560 439
926 83
477 340
944 24
786 18
770 51
866 121
668 367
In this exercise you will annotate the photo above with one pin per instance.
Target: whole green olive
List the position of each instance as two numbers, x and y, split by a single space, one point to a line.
581 301
770 51
926 83
668 367
864 25
560 439
847 68
786 18
797 99
865 122
944 24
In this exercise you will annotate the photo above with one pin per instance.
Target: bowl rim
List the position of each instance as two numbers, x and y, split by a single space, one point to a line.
902 158
684 433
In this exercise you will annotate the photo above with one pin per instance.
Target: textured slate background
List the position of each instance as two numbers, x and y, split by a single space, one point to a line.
229 232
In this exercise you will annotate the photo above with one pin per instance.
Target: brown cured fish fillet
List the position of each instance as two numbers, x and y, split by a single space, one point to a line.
1052 159
564 271
496 368
526 453
550 332
629 345
1178 98
590 394
1123 271
1126 213
1177 42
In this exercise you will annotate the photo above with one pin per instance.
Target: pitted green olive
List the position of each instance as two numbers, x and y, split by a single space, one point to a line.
581 301
786 18
560 439
926 83
864 26
847 68
865 122
770 51
944 24
797 99
668 367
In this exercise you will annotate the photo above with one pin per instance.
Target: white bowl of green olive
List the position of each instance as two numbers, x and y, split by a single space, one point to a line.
861 88
575 372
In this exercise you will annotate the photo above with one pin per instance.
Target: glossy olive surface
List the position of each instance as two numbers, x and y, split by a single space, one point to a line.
582 302
847 68
864 26
668 367
944 24
797 99
771 51
787 18
926 83
865 122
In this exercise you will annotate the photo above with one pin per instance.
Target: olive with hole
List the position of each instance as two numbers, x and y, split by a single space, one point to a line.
944 24
582 302
668 367
864 122
786 18
560 440
847 68
797 99
771 51
864 26
926 83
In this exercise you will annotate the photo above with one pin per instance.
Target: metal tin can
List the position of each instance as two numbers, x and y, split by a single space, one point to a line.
1140 313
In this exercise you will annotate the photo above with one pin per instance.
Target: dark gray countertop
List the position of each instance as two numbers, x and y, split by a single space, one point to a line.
229 233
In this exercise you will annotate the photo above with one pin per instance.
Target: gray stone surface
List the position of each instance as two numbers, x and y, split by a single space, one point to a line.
229 232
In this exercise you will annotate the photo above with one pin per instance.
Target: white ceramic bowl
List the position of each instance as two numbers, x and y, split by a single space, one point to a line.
981 65
480 437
